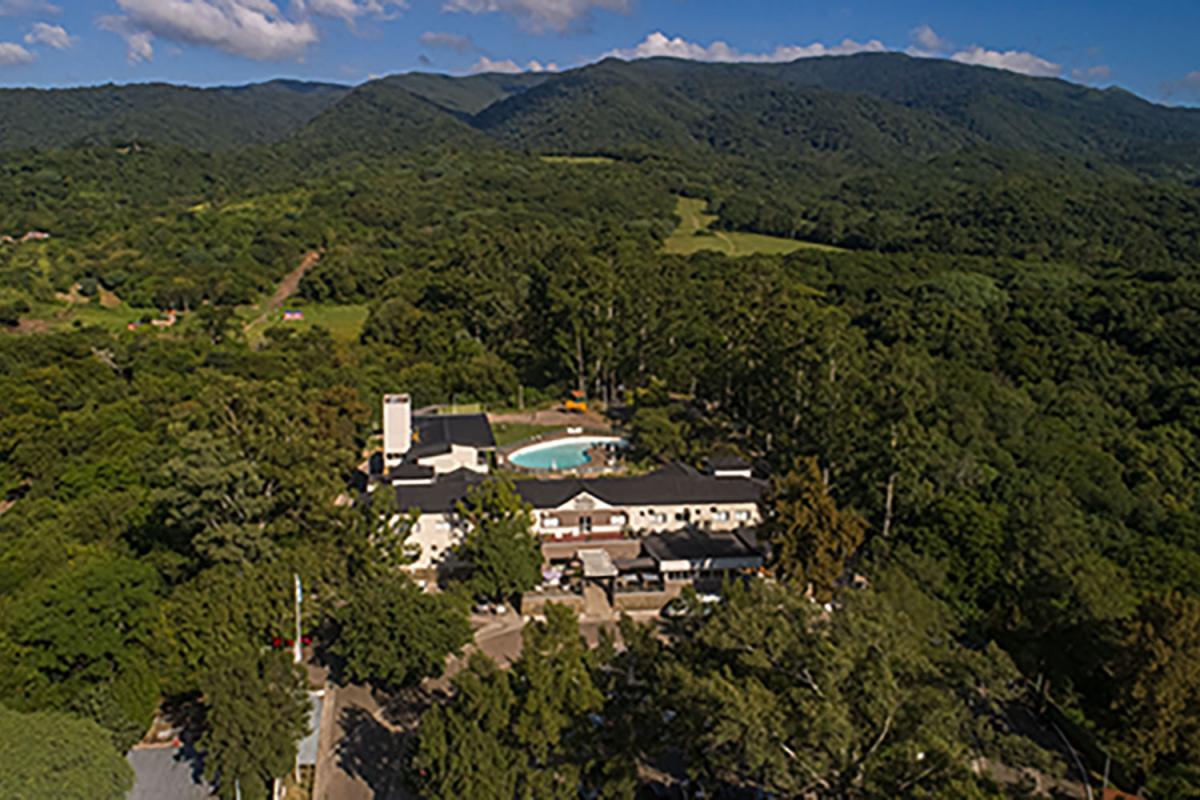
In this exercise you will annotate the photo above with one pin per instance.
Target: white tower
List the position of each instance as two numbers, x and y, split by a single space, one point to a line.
397 429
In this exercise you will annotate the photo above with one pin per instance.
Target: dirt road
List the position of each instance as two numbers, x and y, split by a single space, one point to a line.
286 288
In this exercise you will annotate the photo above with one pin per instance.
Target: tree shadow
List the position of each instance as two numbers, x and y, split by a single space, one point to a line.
373 753
405 707
185 713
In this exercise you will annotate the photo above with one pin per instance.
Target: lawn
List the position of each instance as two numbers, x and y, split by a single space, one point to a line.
694 234
512 432
344 322
62 316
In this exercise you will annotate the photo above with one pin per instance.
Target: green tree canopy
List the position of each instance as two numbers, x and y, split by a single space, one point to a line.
392 634
1158 688
521 734
83 641
256 710
49 754
812 537
500 548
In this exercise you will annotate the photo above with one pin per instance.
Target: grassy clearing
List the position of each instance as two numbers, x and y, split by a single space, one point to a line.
344 322
512 432
112 318
578 160
694 234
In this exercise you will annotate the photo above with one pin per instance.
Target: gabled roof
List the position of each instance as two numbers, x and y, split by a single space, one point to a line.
434 433
440 496
675 484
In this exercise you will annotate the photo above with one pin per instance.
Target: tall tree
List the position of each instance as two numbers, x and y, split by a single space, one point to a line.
556 695
1158 680
500 548
811 536
465 748
393 634
256 710
878 701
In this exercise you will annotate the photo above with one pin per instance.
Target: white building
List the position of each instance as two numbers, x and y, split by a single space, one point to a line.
586 513
419 447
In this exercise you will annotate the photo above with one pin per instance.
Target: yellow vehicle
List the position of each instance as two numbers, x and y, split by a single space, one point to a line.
576 402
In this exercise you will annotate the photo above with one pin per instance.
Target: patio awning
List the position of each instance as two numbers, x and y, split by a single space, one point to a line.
597 564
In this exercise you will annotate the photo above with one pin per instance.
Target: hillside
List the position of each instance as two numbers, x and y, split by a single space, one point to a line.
713 109
202 119
466 95
872 106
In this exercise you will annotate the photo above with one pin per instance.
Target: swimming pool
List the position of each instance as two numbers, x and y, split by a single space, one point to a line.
560 453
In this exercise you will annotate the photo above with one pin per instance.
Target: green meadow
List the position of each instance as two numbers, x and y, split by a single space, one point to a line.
695 234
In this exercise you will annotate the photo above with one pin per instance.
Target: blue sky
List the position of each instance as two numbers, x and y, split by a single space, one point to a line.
1152 50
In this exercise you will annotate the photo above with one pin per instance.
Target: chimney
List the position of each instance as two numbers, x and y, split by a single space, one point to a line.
397 429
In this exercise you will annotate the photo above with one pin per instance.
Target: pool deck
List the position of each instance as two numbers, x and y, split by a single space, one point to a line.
596 464
553 436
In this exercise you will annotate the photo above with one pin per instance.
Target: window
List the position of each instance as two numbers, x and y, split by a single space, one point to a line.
721 516
585 524
617 519
443 525
549 521
741 516
658 519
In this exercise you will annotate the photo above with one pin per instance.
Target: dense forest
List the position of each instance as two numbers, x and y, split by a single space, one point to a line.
981 397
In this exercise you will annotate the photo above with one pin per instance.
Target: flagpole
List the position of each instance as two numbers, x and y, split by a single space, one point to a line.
296 654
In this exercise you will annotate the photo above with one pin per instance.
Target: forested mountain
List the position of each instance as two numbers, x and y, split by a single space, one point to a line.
205 119
467 95
979 394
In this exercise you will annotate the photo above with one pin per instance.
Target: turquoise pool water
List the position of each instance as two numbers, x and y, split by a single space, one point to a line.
562 454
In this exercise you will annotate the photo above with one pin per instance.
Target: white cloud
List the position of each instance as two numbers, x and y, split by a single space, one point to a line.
485 64
20 8
139 45
351 10
13 54
926 42
448 41
540 15
659 44
55 36
254 29
1100 72
1011 60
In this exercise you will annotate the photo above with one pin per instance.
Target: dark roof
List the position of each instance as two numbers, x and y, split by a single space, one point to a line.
440 496
434 433
727 462
675 484
409 471
639 564
688 545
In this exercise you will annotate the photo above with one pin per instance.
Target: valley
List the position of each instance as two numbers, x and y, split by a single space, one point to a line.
898 357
